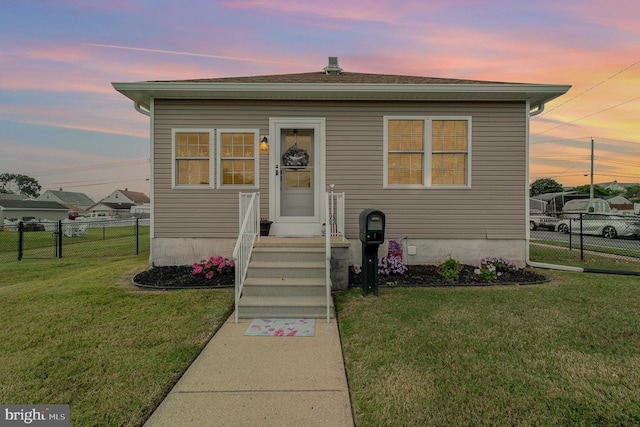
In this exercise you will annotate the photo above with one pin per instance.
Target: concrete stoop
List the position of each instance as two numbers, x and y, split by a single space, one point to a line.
285 280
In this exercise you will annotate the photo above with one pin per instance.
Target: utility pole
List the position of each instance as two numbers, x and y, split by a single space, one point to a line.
591 189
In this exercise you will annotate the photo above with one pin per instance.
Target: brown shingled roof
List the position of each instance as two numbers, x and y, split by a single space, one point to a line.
344 77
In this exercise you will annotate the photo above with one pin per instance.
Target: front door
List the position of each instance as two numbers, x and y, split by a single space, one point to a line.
297 175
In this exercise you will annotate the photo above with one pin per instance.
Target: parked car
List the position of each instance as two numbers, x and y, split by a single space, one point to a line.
609 226
539 219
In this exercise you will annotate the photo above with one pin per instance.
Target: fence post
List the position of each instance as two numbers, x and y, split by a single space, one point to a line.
59 238
581 240
20 241
137 236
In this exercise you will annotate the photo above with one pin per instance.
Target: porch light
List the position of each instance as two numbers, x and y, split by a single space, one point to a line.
264 144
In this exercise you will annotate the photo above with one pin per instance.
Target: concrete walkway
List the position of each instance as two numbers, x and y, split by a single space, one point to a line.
262 381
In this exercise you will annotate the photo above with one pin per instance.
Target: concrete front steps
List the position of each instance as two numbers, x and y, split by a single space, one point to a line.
285 279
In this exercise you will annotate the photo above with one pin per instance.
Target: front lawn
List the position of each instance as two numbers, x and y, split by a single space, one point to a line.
565 353
76 331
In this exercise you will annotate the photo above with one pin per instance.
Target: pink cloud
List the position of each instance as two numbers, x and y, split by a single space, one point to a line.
615 14
376 11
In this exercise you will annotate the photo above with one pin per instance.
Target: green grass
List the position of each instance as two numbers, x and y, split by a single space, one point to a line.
597 249
564 353
99 241
74 330
563 256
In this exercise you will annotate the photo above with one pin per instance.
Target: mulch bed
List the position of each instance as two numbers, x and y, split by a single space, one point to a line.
427 276
182 277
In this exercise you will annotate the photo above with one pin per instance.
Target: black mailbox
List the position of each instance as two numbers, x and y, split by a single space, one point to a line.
372 223
372 226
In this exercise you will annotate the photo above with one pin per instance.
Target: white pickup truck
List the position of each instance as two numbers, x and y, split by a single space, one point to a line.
539 219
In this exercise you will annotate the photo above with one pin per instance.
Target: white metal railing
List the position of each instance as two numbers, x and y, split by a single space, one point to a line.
249 213
335 215
334 221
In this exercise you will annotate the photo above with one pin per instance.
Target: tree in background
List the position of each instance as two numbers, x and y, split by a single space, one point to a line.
543 186
13 183
633 193
597 190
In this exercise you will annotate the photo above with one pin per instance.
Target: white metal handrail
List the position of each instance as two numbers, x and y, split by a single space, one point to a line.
334 220
336 214
249 210
327 243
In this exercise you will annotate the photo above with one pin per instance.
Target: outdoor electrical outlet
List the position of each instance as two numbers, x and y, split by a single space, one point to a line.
411 250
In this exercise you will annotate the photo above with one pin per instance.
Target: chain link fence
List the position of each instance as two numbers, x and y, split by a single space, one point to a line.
50 239
586 240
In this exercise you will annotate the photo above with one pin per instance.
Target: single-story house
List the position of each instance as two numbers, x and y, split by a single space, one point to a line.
446 160
76 202
617 186
120 203
113 208
126 196
620 204
28 209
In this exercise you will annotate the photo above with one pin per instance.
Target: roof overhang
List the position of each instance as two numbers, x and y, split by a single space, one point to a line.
537 94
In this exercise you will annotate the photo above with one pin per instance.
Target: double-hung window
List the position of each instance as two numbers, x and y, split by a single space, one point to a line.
192 150
427 152
237 161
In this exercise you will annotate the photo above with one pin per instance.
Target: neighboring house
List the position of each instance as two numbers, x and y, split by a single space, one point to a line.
11 196
76 202
126 196
620 204
617 186
446 160
120 203
112 209
25 210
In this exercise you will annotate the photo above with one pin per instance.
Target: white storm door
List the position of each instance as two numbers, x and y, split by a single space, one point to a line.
297 176
297 180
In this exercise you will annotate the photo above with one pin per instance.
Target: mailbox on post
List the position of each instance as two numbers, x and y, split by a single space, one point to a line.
372 223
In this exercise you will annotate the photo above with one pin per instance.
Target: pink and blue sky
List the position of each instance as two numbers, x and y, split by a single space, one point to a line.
63 123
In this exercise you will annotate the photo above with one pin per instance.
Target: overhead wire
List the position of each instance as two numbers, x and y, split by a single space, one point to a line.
590 89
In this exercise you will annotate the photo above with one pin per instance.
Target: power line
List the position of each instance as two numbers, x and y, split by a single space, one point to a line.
61 171
560 140
592 114
73 185
591 88
617 140
89 182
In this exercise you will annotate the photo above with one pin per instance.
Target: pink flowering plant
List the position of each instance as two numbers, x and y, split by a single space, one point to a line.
212 266
389 265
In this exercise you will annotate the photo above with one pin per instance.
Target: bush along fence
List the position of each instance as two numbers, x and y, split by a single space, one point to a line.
51 239
582 239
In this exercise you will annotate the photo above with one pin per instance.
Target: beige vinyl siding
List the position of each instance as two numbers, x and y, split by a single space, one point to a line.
493 207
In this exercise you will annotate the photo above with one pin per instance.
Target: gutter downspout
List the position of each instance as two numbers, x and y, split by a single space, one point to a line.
530 263
538 111
141 110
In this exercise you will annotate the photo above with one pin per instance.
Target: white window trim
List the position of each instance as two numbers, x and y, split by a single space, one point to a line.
211 132
428 150
256 158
